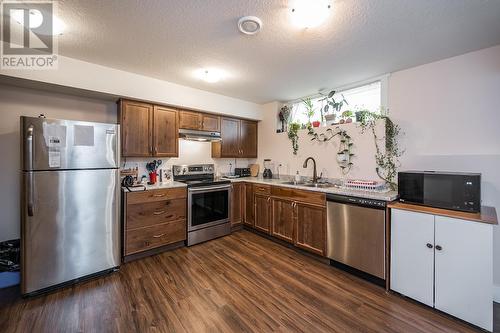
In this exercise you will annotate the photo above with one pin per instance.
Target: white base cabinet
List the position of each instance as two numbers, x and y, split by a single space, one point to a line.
444 262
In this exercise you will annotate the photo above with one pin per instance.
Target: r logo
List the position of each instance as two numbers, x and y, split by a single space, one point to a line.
27 28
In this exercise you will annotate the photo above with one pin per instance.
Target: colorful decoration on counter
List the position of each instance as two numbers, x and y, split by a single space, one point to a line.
388 159
152 168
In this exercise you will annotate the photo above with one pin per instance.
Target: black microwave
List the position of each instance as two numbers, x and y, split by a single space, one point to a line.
449 190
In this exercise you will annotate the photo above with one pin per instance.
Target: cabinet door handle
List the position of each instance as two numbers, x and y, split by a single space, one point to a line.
159 212
158 195
429 245
158 236
438 247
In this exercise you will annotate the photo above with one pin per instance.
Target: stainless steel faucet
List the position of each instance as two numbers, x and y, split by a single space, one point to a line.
315 173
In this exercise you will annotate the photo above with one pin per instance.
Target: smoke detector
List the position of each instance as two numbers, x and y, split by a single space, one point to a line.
249 25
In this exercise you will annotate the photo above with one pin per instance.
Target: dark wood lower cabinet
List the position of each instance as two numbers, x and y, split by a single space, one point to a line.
295 216
282 219
311 228
262 215
237 204
249 205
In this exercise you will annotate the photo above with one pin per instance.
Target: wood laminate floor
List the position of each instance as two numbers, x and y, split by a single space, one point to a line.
239 283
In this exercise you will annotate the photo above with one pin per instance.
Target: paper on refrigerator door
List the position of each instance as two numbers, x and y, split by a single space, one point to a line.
54 135
54 159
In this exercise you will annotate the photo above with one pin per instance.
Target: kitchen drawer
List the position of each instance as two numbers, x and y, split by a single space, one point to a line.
311 197
156 195
156 212
142 239
262 189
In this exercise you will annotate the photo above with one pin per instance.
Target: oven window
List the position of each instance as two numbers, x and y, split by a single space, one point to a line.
209 207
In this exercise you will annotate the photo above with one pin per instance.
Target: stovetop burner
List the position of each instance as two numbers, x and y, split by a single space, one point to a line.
197 175
204 182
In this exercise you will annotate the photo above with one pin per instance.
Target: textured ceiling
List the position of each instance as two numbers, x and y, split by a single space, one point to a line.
169 39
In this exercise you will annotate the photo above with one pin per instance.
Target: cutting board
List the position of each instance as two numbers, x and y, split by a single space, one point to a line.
254 170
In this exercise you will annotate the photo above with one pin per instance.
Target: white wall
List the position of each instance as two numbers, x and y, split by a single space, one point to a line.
278 147
83 75
449 111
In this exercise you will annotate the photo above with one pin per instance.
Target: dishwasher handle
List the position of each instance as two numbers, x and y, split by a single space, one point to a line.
356 201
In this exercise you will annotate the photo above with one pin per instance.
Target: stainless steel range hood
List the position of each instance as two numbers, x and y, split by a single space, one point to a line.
194 135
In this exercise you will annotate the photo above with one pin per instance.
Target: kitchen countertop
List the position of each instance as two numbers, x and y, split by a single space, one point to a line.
158 186
385 196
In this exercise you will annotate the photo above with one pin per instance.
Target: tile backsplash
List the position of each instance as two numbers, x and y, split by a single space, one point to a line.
190 152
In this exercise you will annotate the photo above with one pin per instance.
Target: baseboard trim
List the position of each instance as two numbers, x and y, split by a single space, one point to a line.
496 293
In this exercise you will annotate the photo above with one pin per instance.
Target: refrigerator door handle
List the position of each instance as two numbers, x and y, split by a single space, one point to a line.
29 148
29 160
30 193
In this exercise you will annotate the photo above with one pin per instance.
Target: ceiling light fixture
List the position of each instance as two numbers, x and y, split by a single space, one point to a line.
210 75
249 25
309 13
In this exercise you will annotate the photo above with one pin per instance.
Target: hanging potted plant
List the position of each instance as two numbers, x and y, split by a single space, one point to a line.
293 135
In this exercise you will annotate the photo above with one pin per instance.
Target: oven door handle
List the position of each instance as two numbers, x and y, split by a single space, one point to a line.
209 188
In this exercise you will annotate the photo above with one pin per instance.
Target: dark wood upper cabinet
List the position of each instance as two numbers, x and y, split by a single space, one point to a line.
239 139
230 132
311 228
148 130
248 138
282 219
136 120
210 123
199 121
262 216
190 120
166 131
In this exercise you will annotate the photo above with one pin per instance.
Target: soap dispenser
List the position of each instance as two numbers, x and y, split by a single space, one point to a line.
297 177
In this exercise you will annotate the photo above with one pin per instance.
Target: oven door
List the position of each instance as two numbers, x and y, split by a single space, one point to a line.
208 206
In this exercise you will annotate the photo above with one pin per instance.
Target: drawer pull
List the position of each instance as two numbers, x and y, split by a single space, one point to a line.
158 236
159 212
158 195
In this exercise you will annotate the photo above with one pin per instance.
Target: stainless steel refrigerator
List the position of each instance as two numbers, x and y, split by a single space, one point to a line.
70 226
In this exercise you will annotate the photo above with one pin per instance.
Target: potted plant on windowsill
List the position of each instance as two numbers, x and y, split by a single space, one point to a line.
310 110
332 106
346 117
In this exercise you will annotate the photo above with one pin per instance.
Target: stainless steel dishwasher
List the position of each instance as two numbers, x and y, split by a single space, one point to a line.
356 233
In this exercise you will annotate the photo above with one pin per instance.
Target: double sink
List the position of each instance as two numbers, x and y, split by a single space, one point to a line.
309 184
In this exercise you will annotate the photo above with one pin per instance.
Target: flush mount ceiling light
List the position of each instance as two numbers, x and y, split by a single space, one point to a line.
210 75
309 13
249 25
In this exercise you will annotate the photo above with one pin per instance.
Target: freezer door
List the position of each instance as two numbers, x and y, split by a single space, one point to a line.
70 226
52 144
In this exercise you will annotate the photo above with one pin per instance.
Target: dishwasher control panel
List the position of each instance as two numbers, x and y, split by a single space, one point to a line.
357 201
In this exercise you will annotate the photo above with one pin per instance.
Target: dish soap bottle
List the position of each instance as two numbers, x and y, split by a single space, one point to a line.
297 177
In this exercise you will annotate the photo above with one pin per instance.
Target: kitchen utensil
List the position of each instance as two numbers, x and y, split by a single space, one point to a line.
267 169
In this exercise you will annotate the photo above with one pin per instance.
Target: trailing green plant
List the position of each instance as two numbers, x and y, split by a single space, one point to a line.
345 154
293 135
335 105
387 159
